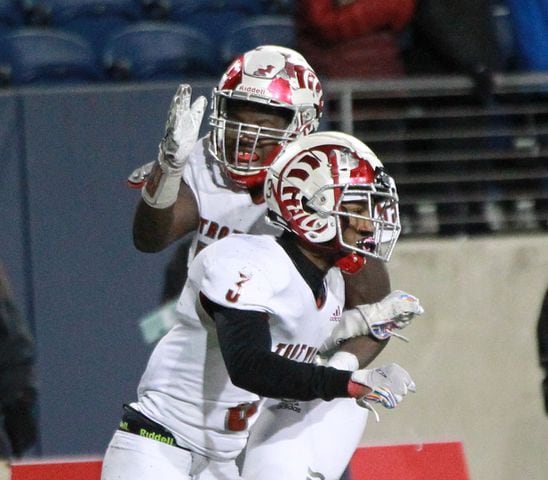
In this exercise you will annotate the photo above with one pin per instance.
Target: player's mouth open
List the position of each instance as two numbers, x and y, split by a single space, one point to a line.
247 157
367 244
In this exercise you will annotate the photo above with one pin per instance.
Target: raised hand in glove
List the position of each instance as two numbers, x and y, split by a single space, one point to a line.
160 185
393 312
386 385
182 129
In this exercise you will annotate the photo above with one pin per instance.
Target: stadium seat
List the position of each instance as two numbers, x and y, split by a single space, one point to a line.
188 7
259 30
155 9
93 19
279 7
159 51
215 18
46 56
11 15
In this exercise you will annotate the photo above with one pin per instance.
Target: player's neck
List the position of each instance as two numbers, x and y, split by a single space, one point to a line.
317 259
312 274
257 195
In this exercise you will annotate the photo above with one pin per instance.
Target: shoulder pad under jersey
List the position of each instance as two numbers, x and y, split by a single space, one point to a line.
244 271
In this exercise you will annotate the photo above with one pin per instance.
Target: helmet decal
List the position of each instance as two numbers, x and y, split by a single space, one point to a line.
264 71
324 183
271 76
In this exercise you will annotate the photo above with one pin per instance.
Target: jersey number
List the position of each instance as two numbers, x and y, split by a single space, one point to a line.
236 417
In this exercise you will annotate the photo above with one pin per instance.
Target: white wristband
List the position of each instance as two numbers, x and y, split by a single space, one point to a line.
166 192
344 361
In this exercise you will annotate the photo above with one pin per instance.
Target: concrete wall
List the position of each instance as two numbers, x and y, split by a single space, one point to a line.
473 354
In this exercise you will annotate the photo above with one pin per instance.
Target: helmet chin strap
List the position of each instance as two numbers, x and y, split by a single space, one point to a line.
247 182
351 263
254 181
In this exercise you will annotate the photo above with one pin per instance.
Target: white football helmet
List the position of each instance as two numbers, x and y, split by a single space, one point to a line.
308 185
272 76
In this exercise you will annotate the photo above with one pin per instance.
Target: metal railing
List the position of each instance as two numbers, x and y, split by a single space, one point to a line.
465 161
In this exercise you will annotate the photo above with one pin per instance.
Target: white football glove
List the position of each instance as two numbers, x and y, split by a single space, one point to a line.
182 129
388 383
393 312
181 133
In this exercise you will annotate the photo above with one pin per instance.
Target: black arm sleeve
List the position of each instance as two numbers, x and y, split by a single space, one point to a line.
245 341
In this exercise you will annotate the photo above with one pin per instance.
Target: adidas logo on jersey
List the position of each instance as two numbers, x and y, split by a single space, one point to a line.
336 315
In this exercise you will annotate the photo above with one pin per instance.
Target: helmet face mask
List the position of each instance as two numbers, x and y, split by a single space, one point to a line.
270 80
324 183
250 132
378 208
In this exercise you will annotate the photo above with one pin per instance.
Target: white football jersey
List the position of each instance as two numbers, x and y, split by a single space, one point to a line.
223 208
186 387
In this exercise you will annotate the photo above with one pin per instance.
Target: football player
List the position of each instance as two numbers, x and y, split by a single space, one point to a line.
254 312
214 185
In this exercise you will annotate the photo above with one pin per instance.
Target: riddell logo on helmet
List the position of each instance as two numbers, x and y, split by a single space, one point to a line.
259 91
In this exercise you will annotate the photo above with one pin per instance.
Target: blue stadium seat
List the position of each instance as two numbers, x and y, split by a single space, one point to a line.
279 7
46 56
11 15
259 30
155 9
159 51
188 7
93 19
214 17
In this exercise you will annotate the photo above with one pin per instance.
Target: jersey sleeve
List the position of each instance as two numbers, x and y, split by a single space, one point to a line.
244 272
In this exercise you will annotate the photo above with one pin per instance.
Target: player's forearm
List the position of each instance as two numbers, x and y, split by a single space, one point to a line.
245 341
369 285
156 228
152 228
365 348
269 375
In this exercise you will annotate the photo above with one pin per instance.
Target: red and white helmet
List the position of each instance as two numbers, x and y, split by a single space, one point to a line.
308 183
267 75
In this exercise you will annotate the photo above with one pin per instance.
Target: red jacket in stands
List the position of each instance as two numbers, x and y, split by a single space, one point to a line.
353 38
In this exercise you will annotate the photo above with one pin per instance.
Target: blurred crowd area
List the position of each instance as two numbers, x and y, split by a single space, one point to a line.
196 38
450 95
